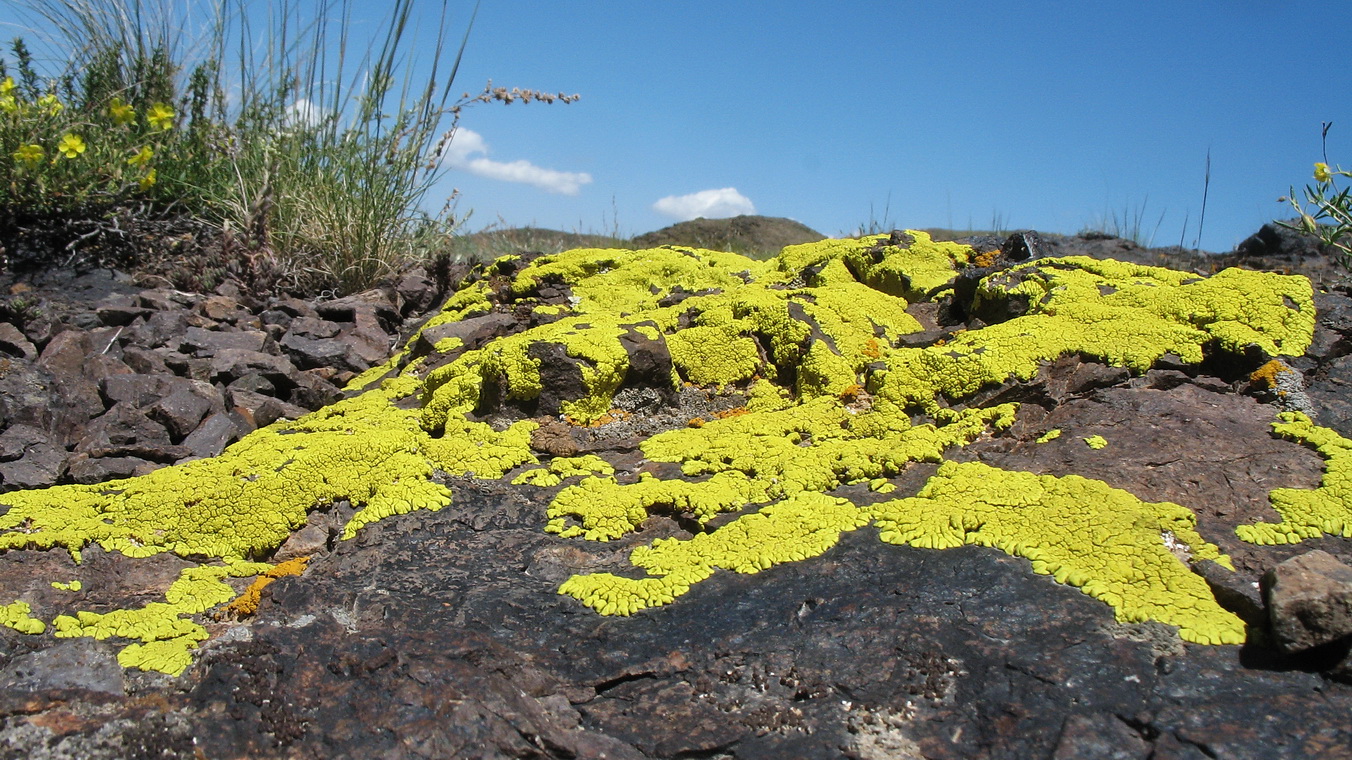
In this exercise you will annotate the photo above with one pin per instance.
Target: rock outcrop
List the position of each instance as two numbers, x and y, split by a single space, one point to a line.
874 498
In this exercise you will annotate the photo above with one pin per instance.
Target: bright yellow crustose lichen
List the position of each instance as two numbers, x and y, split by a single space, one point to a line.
1315 512
1082 532
802 526
18 615
1096 442
1122 314
816 335
68 586
560 469
166 634
1049 436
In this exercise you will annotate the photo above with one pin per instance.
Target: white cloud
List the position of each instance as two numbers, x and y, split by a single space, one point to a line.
710 204
304 113
467 143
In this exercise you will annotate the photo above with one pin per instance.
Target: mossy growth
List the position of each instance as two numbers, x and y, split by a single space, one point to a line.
814 340
1315 512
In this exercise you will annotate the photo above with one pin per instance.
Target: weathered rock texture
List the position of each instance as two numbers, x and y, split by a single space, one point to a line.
441 633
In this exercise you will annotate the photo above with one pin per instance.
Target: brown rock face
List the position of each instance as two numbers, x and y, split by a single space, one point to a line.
1309 600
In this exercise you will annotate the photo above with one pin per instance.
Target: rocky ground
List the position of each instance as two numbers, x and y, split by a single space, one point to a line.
439 634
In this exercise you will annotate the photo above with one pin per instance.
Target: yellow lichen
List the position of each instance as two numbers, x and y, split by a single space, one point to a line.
1082 532
1096 442
166 633
799 527
1316 512
68 586
560 469
814 336
1049 436
19 616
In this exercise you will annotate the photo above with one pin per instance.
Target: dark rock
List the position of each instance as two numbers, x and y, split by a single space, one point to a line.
375 308
221 308
473 332
260 410
1022 246
230 364
294 307
1334 336
1234 592
1099 737
199 342
80 663
254 382
211 437
1274 241
140 391
1309 601
560 377
1330 391
182 410
99 369
276 318
159 329
89 470
66 353
166 299
313 327
144 362
649 362
417 293
15 343
118 311
309 353
313 391
29 459
25 394
121 428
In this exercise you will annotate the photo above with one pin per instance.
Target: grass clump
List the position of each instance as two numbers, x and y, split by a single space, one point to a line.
294 158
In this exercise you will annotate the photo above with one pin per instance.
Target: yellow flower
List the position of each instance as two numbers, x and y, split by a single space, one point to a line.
71 145
142 156
160 116
50 103
121 112
1321 172
30 154
8 103
6 85
148 181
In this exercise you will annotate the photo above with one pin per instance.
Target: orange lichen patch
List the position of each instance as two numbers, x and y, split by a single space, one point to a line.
852 393
695 422
1267 374
985 259
734 412
246 604
873 349
614 415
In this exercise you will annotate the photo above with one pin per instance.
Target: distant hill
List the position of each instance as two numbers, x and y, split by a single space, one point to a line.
756 236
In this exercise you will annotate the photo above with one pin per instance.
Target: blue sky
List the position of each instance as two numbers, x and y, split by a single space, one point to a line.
1054 116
